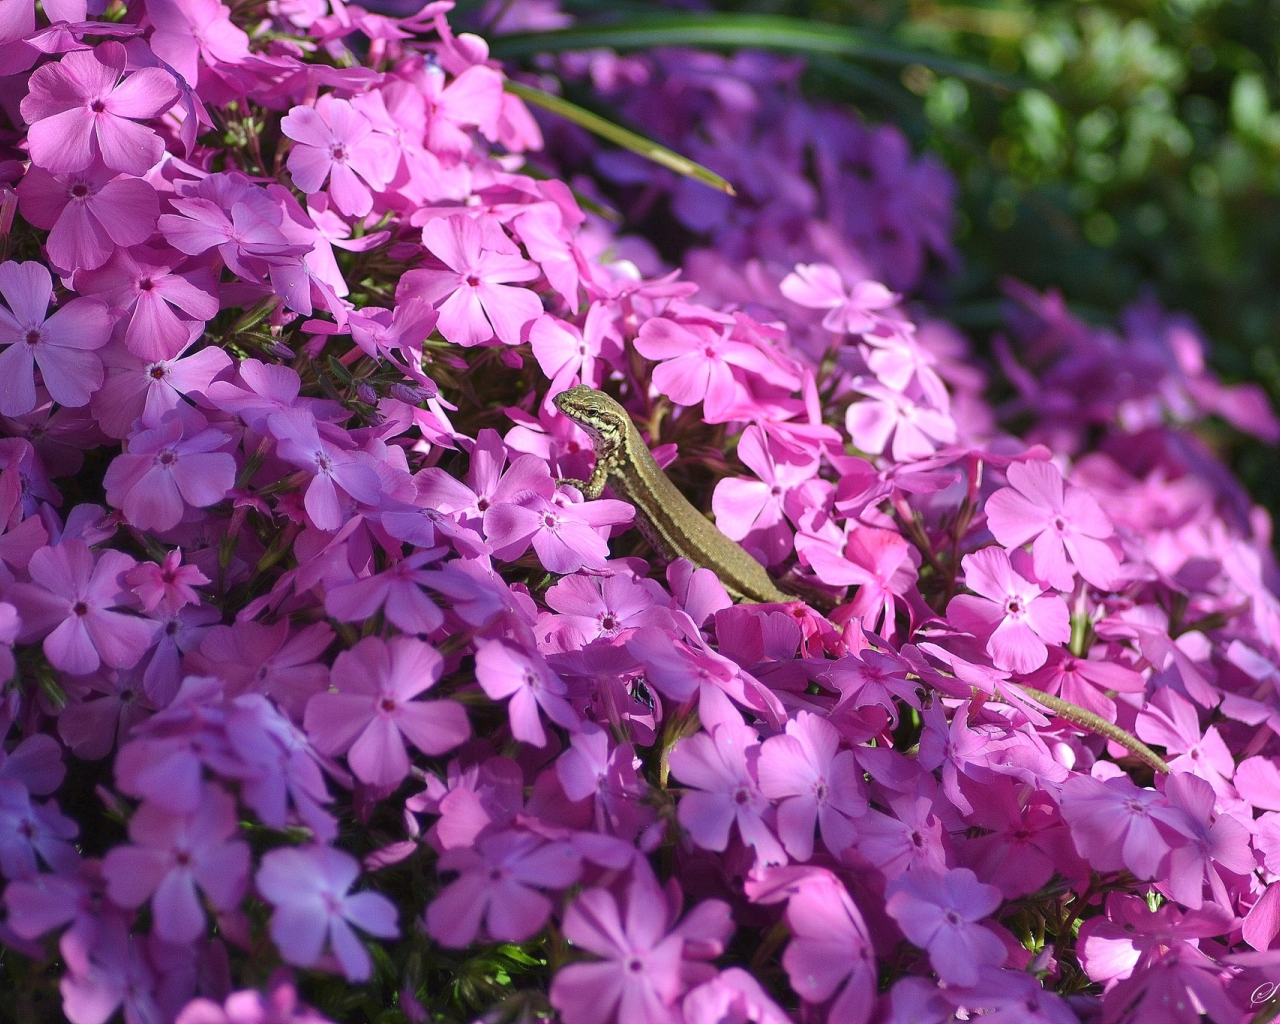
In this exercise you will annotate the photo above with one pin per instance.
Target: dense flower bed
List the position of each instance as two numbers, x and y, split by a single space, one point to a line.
315 663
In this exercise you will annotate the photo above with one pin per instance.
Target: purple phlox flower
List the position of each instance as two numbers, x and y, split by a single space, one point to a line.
647 961
498 887
71 603
167 586
330 231
503 670
571 356
85 106
381 333
1015 997
31 833
181 632
589 769
1113 824
337 473
474 293
872 677
1084 681
853 311
731 997
1026 843
169 468
1065 524
1015 616
957 749
61 345
111 702
880 563
109 968
373 711
253 657
607 607
815 783
897 359
194 31
721 769
754 511
269 388
88 213
565 534
333 140
249 1006
830 957
910 839
310 888
1170 721
36 762
150 285
472 800
486 484
940 913
19 21
173 854
1182 987
918 431
135 390
1206 841
397 592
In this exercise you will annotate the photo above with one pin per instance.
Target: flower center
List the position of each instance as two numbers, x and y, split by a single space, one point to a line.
741 797
388 705
635 965
167 457
952 917
80 608
157 371
32 336
79 190
339 153
98 106
146 284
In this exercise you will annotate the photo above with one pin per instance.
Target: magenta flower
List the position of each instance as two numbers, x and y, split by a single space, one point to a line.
497 886
645 964
1015 615
397 592
917 430
720 768
374 712
819 286
335 141
816 784
595 607
194 30
71 602
880 563
310 888
1113 824
339 476
830 952
32 832
167 469
503 671
168 586
85 106
171 856
940 913
249 1006
134 388
562 532
1208 840
569 356
1065 524
62 345
88 213
474 294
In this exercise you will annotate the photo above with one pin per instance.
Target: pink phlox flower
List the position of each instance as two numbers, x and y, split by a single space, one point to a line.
474 293
696 364
1027 841
569 355
607 607
331 231
720 768
1065 525
755 511
940 913
872 677
910 839
249 1006
109 968
171 856
88 213
898 360
1183 987
32 833
1206 840
646 960
85 106
310 888
1084 681
486 483
815 783
167 586
1113 824
19 22
381 333
542 231
168 469
472 800
1014 997
36 762
830 957
880 563
503 670
61 345
71 602
334 141
192 32
917 430
1015 616
958 750
102 710
269 388
1169 720
181 632
565 534
337 473
852 311
270 659
471 100
151 285
398 592
732 997
136 391
480 597
373 711
589 769
498 887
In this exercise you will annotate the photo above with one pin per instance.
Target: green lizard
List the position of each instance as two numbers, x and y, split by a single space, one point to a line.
675 529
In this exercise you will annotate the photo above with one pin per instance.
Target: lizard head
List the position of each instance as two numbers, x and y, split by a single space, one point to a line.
596 413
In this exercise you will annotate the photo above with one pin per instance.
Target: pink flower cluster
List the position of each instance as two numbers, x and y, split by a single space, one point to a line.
315 662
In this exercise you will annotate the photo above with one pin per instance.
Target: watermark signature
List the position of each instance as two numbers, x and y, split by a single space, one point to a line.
1265 992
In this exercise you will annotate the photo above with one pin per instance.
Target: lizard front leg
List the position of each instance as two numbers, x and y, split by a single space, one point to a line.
591 489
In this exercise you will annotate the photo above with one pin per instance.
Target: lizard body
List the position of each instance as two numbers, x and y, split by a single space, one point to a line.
676 529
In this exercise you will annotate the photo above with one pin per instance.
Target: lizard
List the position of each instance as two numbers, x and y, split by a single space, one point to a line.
676 529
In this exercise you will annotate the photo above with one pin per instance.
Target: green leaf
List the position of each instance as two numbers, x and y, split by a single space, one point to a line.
606 129
736 31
